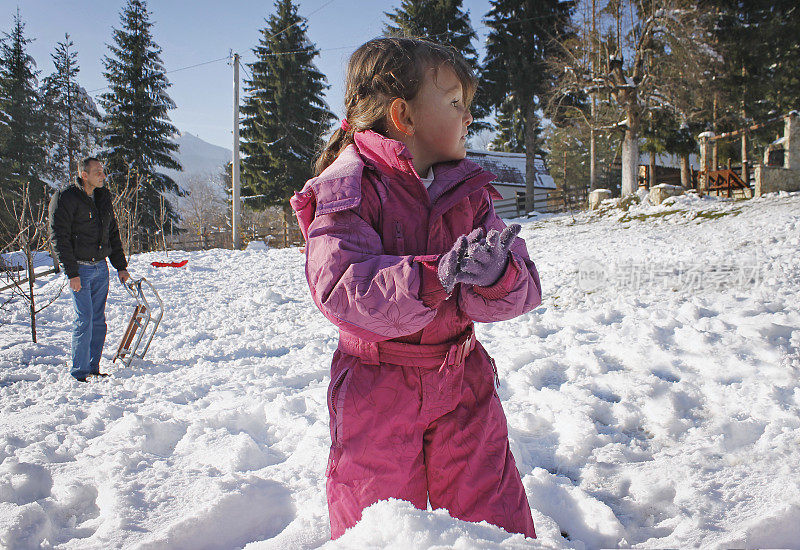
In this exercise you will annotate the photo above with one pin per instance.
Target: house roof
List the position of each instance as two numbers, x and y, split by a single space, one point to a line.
510 168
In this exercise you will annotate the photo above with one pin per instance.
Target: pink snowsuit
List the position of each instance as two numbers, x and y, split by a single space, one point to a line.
412 402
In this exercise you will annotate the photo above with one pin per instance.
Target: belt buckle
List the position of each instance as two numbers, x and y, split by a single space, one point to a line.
458 352
466 347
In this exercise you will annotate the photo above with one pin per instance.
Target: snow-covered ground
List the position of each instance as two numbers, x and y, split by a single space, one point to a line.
653 400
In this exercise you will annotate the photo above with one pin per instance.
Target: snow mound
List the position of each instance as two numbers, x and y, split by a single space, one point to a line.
253 246
395 524
657 407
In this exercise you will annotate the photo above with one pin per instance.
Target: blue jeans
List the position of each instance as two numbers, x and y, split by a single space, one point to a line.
89 332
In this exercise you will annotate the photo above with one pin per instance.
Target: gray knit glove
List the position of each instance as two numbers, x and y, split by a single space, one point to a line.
449 262
475 260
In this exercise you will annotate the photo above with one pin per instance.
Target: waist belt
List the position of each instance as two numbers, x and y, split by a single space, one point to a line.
88 262
443 355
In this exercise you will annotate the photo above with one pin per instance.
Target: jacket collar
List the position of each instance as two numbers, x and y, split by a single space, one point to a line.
386 155
338 187
389 155
82 192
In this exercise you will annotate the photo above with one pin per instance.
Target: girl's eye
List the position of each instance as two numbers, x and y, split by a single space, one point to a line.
454 102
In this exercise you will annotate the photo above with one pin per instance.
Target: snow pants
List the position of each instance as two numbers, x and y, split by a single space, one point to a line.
420 434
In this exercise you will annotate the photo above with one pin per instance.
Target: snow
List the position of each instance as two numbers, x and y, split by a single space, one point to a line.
781 141
257 245
17 265
652 412
17 259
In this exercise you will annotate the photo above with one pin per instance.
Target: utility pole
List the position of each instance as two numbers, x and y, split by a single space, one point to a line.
592 135
745 167
235 166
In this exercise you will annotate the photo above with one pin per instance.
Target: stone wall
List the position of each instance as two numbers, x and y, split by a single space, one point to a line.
770 179
660 192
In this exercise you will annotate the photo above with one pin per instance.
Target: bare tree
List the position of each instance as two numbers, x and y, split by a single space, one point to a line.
661 34
161 221
30 236
204 205
126 207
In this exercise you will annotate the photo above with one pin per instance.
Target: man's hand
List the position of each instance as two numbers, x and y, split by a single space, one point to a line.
123 276
75 284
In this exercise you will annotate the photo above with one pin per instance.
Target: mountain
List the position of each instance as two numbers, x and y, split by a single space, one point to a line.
198 157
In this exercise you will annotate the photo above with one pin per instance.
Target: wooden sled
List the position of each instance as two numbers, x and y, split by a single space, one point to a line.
143 323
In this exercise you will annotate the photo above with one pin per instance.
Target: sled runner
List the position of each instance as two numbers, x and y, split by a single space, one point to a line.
139 327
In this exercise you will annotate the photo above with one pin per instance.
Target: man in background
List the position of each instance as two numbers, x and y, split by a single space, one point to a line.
84 232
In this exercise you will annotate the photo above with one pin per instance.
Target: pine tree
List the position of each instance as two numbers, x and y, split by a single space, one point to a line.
523 35
510 135
72 118
760 43
660 125
443 22
137 129
284 111
21 133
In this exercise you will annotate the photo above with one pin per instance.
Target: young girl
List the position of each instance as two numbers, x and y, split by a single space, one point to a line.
404 253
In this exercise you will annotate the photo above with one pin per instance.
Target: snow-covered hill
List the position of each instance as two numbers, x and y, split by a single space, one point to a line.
198 158
653 400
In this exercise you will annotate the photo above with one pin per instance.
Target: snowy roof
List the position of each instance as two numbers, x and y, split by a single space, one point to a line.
780 141
510 167
667 160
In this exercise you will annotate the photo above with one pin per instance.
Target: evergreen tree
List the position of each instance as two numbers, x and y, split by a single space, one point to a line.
137 128
568 155
760 43
72 118
441 21
284 111
444 22
524 35
510 135
21 134
660 126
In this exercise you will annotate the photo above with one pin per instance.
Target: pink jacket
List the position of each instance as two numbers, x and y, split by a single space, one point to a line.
374 236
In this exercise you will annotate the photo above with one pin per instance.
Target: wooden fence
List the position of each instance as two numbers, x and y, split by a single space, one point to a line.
557 200
274 236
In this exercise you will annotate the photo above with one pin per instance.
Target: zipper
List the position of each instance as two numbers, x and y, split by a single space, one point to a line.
334 398
398 235
494 370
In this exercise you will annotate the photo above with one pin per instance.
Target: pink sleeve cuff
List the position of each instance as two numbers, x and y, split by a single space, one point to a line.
431 291
504 284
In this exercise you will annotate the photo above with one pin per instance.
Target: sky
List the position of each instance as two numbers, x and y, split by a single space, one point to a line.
191 32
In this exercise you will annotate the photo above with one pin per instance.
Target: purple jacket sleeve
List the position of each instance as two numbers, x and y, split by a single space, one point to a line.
516 292
362 290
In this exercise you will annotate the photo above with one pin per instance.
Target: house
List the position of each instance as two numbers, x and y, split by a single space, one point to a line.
510 171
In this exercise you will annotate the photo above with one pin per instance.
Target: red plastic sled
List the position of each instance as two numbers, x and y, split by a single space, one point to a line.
169 264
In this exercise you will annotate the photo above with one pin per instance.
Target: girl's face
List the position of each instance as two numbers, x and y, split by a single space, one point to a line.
440 119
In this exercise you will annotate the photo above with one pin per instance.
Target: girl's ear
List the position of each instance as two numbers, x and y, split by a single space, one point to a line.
400 117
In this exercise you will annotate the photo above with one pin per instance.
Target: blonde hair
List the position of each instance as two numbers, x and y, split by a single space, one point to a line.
381 71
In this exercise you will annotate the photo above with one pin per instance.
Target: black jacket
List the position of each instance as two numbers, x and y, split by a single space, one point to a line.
84 228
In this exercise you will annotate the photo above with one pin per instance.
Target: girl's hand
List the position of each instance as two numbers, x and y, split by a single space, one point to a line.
449 262
486 259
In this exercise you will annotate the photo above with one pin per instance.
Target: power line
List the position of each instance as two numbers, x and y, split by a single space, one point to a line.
272 54
173 71
304 19
244 68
